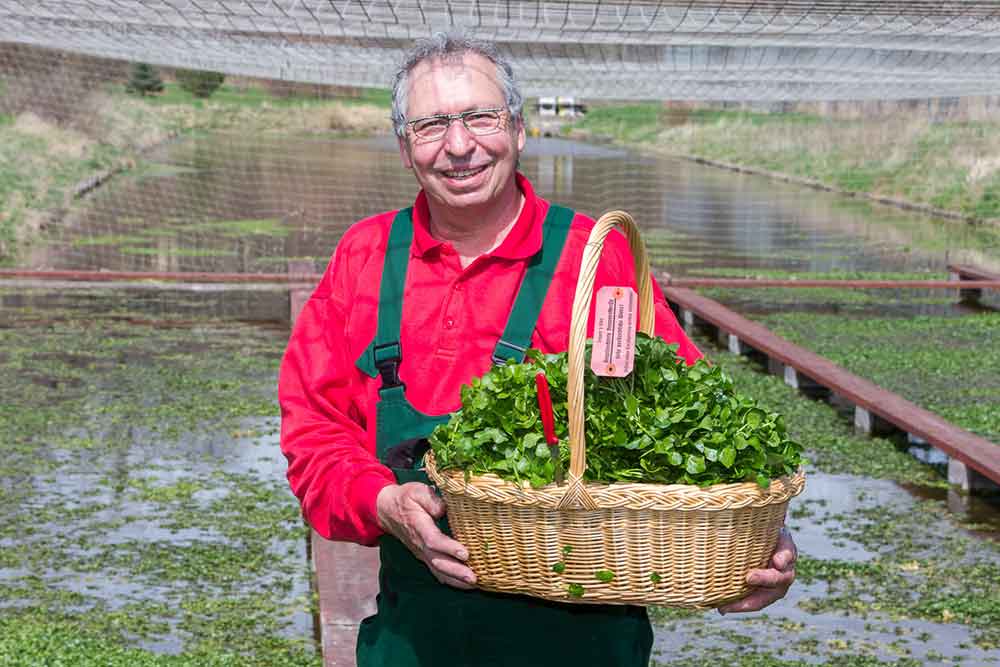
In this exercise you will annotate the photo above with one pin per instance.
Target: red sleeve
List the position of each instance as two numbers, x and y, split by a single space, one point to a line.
669 329
331 469
616 262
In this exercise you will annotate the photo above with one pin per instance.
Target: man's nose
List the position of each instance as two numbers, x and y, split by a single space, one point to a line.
457 139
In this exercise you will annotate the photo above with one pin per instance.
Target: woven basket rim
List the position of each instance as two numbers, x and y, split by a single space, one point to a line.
627 495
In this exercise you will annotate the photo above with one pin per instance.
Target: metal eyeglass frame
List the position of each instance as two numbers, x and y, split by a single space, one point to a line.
458 116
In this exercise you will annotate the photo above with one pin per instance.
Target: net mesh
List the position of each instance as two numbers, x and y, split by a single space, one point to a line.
110 161
735 50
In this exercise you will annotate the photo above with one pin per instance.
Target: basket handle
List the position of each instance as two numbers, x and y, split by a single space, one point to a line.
577 495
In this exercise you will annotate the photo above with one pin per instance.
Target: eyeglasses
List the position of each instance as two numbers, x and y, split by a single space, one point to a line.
477 121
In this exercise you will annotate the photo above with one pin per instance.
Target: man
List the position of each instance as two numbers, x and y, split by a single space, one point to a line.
414 304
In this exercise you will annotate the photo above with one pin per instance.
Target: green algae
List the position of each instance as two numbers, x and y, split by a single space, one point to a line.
948 365
832 445
35 639
143 489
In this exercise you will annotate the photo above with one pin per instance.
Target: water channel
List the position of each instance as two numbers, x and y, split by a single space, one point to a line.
181 211
228 204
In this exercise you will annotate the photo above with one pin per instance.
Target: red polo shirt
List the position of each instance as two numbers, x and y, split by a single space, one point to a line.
452 319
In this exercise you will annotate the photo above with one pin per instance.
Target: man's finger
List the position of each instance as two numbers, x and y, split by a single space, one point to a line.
756 601
451 581
449 567
783 560
771 578
437 541
785 552
430 539
431 502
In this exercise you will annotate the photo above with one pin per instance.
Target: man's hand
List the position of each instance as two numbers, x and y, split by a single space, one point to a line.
770 585
407 512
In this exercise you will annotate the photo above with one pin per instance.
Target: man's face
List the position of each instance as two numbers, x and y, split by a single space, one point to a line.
460 169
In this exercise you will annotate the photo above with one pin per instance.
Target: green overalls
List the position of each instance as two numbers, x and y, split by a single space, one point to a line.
421 622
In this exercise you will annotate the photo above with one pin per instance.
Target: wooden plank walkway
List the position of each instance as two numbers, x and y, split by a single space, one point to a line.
971 450
347 582
345 575
969 272
972 279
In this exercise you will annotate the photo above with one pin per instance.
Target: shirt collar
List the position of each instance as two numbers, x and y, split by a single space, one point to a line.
523 240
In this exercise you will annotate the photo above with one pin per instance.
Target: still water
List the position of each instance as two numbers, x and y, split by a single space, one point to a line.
230 203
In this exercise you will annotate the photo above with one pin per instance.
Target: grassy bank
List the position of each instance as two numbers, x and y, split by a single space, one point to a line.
44 164
952 166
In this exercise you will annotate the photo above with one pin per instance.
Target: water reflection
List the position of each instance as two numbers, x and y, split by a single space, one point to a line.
230 203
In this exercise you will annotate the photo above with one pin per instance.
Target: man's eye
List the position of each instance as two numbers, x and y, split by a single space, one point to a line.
430 125
483 119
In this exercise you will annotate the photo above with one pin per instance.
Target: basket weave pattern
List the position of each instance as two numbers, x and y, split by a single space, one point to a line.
677 545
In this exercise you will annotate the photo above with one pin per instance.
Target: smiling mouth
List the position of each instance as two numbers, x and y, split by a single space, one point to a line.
460 174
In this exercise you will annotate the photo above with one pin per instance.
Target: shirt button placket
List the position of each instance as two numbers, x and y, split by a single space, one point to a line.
452 317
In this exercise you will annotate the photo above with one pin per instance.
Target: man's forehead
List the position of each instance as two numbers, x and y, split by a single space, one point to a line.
472 66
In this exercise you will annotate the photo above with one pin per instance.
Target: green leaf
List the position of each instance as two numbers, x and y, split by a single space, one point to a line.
559 567
694 464
727 457
754 417
655 578
604 576
631 404
575 590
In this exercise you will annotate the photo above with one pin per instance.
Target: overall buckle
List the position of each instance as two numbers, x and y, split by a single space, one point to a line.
502 345
387 359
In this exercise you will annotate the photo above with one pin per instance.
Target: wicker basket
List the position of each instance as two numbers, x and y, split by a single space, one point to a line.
677 545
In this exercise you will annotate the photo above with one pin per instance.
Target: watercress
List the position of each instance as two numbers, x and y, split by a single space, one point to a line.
666 422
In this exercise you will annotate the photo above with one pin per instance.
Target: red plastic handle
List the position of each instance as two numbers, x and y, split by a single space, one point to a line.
545 406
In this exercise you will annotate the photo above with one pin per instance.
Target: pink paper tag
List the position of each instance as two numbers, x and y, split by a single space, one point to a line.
613 353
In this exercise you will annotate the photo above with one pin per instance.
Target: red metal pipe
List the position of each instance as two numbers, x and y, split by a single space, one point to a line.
848 284
211 277
182 276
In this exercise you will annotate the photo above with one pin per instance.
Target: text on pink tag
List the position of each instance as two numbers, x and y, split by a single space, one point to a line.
613 353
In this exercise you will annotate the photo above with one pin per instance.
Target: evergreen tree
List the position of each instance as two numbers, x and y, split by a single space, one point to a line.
144 80
200 83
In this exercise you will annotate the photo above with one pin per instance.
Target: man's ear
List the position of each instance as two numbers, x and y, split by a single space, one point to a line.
404 152
520 135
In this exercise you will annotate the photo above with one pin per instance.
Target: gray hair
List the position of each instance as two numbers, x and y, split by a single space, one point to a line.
445 46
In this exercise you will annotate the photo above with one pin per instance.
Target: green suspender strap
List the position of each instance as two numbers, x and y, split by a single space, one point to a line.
396 420
384 354
524 315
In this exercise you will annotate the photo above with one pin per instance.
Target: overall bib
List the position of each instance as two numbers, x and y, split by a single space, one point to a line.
421 622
